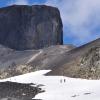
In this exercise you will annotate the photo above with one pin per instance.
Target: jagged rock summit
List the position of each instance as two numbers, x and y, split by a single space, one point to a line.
25 27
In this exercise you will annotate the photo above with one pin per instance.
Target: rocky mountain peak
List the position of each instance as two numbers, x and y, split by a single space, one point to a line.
25 27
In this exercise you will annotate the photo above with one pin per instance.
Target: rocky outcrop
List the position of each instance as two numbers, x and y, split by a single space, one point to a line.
18 91
81 62
90 64
30 27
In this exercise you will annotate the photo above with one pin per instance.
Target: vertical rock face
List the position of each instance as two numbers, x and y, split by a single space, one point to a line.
30 27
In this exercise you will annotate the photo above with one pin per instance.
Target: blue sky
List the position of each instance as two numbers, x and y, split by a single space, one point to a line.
81 18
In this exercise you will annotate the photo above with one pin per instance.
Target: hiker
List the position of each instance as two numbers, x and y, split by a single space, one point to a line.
60 80
64 80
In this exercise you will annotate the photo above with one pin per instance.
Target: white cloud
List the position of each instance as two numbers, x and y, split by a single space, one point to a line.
18 2
81 17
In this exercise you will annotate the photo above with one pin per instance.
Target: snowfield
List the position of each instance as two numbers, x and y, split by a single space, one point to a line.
60 87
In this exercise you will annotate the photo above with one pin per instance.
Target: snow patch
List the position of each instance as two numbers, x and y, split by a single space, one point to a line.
60 87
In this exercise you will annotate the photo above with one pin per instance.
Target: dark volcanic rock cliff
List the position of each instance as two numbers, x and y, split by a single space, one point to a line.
30 27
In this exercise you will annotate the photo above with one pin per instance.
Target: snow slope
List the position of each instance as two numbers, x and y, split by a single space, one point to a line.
57 89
